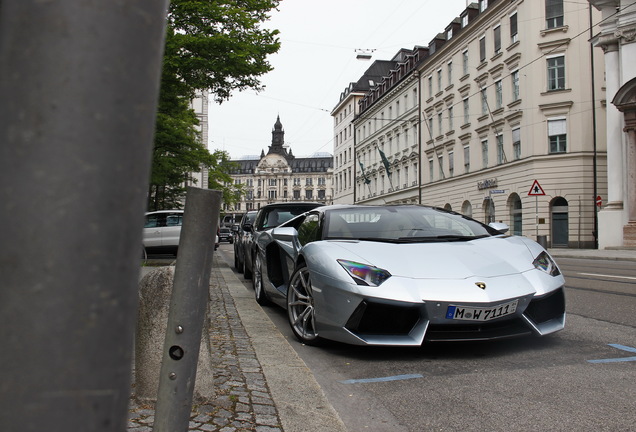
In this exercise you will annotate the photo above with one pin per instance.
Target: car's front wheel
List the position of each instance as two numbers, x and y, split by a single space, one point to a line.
300 307
257 282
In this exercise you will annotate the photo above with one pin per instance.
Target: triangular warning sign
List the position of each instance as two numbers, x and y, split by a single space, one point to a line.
536 189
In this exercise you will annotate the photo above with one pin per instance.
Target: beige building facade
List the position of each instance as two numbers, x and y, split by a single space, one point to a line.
279 176
501 117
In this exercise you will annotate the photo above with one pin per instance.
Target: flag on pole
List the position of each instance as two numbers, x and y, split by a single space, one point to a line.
385 161
364 174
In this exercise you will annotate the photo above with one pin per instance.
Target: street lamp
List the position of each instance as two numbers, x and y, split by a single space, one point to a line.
364 54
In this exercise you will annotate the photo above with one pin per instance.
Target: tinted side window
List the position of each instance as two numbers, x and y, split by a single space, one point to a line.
309 230
175 219
155 220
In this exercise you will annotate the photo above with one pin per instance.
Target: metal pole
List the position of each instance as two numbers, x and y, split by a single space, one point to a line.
187 310
536 217
79 84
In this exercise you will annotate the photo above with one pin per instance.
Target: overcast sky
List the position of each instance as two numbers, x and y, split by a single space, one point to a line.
316 62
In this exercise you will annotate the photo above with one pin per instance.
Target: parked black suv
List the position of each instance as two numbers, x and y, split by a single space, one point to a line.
242 238
269 217
225 234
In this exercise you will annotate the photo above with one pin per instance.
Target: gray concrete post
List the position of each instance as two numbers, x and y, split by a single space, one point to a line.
188 306
79 84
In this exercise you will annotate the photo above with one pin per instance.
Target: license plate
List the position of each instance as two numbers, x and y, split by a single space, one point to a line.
481 314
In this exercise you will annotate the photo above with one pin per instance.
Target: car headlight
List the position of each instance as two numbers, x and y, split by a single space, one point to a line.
544 263
364 274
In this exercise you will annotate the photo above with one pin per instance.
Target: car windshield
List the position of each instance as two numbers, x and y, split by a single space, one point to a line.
278 215
402 224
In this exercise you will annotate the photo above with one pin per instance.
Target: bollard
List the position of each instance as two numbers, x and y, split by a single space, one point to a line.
79 83
187 310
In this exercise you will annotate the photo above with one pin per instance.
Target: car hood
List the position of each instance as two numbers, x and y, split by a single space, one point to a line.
488 257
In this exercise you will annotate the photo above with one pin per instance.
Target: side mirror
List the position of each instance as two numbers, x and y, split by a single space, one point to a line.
247 227
501 227
284 233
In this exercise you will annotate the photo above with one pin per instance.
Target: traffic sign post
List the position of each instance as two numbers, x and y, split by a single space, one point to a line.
536 191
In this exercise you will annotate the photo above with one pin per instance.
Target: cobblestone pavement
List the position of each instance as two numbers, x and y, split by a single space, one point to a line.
241 399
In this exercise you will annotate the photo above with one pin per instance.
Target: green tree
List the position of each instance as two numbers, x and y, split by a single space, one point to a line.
215 45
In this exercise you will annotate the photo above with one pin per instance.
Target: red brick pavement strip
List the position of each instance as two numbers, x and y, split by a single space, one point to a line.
240 400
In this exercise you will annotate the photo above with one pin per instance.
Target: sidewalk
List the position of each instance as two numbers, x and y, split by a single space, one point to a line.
256 382
624 254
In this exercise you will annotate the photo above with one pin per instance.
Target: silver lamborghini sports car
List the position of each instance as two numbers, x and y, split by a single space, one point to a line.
406 274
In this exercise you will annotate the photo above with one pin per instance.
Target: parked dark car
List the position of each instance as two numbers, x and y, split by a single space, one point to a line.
225 235
267 218
242 238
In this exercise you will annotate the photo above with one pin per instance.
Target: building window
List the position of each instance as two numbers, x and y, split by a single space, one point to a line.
466 159
498 94
450 118
272 194
451 164
309 194
554 13
466 111
297 194
465 62
439 80
321 194
439 123
430 169
556 73
464 20
430 126
557 135
500 149
483 5
449 68
514 36
515 85
449 34
516 143
430 86
484 102
482 49
484 154
497 37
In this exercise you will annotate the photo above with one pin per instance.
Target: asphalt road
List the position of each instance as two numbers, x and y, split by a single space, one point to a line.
565 382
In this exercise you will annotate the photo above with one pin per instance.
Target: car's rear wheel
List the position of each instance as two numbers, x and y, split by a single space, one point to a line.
300 307
257 282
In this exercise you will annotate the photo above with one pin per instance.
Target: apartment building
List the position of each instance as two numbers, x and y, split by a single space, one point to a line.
501 117
344 133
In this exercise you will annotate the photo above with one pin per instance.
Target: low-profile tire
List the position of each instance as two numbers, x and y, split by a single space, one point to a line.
247 273
257 282
300 307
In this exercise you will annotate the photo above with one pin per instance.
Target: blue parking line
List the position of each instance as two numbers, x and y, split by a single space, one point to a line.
383 379
620 359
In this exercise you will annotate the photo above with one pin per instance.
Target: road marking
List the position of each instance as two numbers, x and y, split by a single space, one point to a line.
609 276
383 379
617 360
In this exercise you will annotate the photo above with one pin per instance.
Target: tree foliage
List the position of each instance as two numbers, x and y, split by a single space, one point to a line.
211 45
